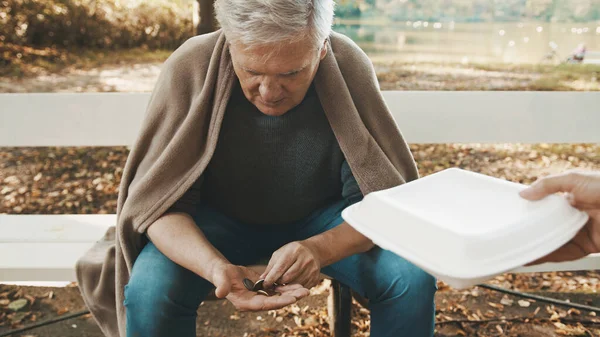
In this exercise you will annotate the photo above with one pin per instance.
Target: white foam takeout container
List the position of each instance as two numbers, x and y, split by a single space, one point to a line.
463 227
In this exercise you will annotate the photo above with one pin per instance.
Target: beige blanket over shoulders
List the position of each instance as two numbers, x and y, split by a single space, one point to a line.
179 135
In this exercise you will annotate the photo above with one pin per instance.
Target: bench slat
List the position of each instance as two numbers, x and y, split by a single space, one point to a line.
496 117
54 228
40 261
51 257
423 116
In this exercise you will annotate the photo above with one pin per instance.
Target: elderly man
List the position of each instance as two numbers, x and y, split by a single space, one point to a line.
256 138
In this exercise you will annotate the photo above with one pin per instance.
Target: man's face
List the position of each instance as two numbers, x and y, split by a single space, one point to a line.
276 78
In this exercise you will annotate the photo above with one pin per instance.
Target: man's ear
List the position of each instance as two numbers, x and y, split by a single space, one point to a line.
324 50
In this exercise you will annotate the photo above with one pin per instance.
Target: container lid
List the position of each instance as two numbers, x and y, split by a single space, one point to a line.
461 224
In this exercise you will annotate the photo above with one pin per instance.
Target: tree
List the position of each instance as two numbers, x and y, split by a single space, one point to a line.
207 23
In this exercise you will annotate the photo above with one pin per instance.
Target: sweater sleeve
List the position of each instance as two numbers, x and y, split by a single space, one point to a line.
190 200
350 190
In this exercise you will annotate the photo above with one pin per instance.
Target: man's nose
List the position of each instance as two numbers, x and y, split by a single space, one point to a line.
270 90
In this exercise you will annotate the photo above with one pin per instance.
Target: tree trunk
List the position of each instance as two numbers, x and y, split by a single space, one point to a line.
207 22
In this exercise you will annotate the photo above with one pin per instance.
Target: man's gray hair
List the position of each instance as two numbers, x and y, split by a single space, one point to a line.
260 22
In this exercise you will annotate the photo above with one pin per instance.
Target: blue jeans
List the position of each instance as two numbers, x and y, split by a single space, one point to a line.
162 297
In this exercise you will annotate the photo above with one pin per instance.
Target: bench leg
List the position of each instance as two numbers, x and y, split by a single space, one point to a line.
340 309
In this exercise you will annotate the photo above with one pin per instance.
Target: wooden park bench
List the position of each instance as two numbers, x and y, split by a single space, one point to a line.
54 242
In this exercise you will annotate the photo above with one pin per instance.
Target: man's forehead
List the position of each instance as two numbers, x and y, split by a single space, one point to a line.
283 59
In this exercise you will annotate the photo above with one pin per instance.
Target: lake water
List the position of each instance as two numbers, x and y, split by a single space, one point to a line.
525 42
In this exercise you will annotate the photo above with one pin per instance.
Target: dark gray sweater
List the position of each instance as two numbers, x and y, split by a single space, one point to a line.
274 170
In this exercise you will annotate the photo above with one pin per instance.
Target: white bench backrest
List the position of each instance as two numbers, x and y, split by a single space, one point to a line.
113 119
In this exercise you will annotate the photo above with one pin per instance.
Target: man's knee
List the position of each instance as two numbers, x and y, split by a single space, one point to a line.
159 296
421 287
407 286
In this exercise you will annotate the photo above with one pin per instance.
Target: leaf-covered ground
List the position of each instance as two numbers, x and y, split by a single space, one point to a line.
85 180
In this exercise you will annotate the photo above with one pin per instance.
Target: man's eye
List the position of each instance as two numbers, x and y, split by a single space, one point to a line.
291 74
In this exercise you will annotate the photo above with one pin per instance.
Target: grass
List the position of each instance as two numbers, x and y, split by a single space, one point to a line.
473 76
94 59
567 72
21 62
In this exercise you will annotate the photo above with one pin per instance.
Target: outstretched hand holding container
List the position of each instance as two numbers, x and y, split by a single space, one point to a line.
463 227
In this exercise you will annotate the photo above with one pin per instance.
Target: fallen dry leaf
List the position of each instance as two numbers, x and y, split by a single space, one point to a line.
31 299
570 330
506 301
496 305
310 321
62 311
524 304
499 328
18 305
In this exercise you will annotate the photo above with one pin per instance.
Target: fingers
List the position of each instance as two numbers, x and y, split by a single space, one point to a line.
585 239
300 293
582 205
583 244
549 185
288 287
262 303
569 252
272 262
279 268
291 275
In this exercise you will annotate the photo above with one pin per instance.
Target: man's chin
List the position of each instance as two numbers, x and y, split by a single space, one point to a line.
272 111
